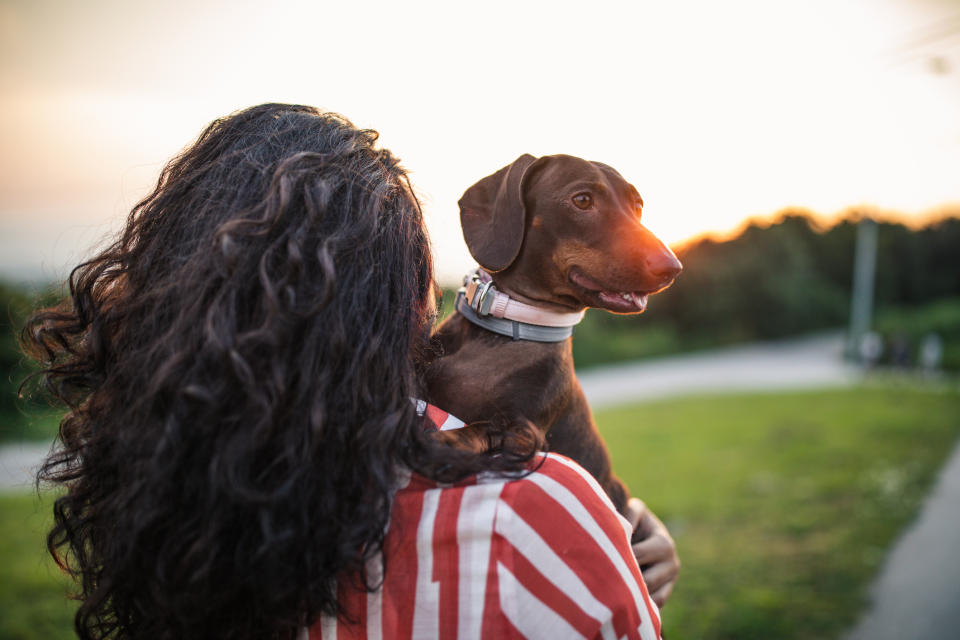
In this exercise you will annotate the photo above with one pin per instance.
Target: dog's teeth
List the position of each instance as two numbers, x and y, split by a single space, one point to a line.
627 297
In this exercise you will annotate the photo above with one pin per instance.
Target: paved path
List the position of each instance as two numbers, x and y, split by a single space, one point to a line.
918 592
19 463
810 362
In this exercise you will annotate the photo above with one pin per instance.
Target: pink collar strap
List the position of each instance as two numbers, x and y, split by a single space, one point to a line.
481 304
482 296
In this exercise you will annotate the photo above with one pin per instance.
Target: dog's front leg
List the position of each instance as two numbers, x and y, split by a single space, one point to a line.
575 435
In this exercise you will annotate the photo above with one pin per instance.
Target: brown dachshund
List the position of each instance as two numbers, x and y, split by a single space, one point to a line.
558 234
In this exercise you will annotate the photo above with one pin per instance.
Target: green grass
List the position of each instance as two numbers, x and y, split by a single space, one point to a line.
782 505
33 592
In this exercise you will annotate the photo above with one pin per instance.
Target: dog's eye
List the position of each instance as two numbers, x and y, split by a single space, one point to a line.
583 201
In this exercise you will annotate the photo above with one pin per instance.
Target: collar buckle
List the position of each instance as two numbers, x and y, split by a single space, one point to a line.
480 295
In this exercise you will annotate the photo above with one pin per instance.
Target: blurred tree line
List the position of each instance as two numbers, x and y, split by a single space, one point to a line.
781 279
16 304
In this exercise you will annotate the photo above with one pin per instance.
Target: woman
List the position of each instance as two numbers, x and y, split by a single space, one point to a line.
239 367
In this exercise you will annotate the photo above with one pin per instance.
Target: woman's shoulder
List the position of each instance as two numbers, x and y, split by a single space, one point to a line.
537 553
563 495
552 487
547 538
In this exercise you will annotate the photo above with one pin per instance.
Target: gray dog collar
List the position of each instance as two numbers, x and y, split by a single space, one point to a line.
511 328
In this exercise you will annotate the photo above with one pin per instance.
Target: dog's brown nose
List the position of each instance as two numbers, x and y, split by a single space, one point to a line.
664 266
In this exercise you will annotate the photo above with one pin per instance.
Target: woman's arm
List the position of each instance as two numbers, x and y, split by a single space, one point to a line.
654 549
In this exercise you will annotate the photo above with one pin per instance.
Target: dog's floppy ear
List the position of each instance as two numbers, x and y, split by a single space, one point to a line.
492 216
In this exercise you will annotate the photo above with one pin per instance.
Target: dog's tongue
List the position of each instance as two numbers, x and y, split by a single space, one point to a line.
625 301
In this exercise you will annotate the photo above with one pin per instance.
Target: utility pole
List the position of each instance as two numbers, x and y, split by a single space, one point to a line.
864 269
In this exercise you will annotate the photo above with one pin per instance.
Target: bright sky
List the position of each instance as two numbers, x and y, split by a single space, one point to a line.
716 111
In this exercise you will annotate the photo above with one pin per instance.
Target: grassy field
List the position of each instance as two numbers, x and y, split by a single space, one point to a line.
783 506
33 602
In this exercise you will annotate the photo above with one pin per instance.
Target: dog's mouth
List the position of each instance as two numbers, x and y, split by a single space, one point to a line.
594 294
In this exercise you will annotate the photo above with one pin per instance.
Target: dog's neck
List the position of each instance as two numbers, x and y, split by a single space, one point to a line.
481 303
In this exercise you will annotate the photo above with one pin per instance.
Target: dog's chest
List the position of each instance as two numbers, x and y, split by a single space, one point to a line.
478 374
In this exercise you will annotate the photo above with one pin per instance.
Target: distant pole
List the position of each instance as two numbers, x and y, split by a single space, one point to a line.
864 268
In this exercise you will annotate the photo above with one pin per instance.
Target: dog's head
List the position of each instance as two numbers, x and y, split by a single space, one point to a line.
564 232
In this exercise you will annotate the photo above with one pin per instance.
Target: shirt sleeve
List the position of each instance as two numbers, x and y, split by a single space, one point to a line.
562 560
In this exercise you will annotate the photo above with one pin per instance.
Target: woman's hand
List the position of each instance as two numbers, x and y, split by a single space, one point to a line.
655 551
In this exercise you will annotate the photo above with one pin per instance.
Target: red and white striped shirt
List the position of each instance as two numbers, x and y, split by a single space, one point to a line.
542 556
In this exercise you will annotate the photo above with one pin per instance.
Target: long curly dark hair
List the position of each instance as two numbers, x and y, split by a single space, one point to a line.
238 367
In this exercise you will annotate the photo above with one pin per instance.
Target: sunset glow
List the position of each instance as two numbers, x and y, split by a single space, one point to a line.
717 112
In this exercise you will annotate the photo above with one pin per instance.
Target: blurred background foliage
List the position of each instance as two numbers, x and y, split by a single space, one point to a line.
784 279
28 417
